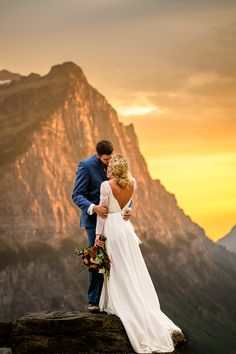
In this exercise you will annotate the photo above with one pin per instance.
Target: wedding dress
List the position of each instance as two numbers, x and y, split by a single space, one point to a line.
129 292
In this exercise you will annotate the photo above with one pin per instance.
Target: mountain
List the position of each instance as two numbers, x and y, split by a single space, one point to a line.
229 240
48 124
7 76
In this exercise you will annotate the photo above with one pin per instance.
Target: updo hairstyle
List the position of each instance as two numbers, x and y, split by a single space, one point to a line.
120 170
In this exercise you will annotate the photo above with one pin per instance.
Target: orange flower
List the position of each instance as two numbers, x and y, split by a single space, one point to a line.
95 257
86 261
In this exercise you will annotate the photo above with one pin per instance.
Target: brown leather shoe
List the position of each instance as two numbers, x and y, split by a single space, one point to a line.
93 308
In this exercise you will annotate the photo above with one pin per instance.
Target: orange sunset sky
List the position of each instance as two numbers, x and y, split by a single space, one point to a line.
167 66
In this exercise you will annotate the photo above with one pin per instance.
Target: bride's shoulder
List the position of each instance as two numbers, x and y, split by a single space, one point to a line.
105 186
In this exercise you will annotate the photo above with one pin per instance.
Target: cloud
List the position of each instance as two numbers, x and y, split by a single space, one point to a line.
139 110
204 78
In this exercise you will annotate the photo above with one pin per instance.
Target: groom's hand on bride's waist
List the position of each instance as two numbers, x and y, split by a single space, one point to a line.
127 214
101 210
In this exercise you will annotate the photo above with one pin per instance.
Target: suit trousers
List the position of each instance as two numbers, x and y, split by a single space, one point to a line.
95 278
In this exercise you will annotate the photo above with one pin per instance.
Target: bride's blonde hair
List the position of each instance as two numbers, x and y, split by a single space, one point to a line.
120 170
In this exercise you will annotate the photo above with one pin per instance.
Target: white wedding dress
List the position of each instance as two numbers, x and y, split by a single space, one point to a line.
129 292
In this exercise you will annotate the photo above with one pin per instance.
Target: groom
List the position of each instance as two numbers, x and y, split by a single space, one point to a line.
90 174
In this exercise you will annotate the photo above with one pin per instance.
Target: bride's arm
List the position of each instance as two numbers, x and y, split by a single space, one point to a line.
104 191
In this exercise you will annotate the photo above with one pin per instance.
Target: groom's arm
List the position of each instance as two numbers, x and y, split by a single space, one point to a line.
81 185
80 192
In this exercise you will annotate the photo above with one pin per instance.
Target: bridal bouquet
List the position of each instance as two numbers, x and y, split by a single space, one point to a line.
95 257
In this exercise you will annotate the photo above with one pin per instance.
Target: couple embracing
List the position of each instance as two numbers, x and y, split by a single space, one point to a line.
103 190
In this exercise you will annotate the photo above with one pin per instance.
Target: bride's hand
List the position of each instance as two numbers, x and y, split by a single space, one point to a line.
98 242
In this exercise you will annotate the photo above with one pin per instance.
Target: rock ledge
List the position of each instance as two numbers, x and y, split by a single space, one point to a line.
65 333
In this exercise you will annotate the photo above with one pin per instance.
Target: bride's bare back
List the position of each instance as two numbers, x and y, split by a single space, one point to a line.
122 195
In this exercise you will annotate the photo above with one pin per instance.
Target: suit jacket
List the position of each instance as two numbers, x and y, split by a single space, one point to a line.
89 176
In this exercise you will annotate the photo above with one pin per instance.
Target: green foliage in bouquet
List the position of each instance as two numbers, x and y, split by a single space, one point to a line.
95 257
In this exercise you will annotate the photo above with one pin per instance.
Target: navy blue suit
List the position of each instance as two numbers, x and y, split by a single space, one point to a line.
89 176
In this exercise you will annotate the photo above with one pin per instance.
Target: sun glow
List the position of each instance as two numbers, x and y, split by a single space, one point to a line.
204 187
139 110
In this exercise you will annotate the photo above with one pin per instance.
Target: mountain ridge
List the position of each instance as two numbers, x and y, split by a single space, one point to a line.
8 75
229 240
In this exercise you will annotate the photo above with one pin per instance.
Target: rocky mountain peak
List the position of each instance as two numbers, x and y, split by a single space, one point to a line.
66 70
7 75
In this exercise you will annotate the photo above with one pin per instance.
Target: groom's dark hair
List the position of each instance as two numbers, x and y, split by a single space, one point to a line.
104 147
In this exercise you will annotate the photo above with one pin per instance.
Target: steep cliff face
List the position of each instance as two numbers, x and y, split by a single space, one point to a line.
47 125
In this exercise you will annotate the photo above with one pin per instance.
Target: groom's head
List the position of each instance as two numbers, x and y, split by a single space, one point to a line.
104 150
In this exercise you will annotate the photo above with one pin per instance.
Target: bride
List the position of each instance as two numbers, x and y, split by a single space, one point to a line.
129 292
